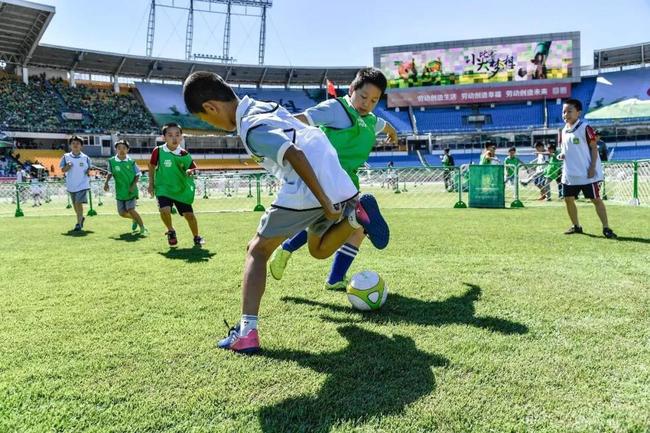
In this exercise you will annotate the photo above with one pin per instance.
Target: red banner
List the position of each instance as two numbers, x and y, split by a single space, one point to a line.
422 97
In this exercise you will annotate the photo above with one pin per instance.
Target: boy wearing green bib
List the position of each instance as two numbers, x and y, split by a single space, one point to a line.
171 179
126 174
352 128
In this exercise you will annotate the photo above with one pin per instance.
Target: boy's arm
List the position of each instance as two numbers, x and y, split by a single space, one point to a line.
153 162
65 165
391 132
593 151
296 158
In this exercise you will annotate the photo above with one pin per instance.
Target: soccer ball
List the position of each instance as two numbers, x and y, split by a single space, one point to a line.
367 291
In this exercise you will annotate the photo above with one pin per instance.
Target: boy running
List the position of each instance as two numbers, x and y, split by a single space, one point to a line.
352 128
171 179
316 192
75 165
126 174
582 167
512 163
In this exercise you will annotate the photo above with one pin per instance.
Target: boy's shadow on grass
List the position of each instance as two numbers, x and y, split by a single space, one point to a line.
77 233
190 255
128 237
401 309
621 238
374 375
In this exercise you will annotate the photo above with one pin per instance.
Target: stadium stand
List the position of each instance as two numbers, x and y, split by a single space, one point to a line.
49 159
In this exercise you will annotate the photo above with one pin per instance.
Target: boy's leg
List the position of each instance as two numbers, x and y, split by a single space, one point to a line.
343 260
244 337
192 222
572 210
321 247
132 213
79 210
599 204
166 217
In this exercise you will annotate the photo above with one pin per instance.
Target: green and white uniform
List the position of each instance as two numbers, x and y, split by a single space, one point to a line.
171 180
124 172
352 135
511 163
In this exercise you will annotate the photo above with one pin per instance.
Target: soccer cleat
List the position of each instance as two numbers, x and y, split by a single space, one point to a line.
368 215
248 344
144 232
574 230
278 262
77 228
134 226
341 285
608 233
171 238
198 241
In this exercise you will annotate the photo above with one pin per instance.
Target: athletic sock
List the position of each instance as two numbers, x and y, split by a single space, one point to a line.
342 262
247 324
296 242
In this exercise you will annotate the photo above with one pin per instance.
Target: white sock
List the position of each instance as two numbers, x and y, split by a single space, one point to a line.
352 219
247 324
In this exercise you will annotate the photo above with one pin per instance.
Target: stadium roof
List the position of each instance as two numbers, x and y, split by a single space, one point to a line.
22 25
637 54
96 62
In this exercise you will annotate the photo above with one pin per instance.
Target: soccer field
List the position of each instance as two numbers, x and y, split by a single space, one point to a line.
495 322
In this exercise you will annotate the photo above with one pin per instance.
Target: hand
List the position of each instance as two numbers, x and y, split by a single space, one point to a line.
106 187
332 213
591 172
150 189
392 134
69 165
189 172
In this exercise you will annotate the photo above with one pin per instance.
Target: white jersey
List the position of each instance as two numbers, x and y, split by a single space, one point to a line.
574 145
294 193
76 179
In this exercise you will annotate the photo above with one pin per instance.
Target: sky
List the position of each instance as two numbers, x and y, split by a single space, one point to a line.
341 32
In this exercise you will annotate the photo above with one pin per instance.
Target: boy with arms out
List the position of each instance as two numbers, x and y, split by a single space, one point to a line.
316 191
351 127
582 167
126 174
75 165
171 171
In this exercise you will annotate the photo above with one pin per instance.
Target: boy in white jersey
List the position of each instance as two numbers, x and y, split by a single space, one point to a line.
316 192
582 170
75 165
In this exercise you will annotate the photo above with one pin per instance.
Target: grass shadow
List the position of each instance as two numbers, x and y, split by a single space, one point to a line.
401 309
621 238
127 237
190 255
373 376
77 233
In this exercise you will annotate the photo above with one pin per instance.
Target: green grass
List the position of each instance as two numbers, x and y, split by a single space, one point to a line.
495 322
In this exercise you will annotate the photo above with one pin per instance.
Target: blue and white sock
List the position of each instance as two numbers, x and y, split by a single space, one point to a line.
247 324
342 262
296 242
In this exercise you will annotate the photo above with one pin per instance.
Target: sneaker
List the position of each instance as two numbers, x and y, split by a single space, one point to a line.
77 228
198 241
248 344
171 238
608 233
574 230
368 215
341 285
134 226
278 262
144 232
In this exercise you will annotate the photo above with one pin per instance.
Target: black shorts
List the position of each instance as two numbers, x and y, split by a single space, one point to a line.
590 190
180 207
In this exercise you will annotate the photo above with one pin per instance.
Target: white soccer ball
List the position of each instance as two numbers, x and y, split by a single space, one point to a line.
367 291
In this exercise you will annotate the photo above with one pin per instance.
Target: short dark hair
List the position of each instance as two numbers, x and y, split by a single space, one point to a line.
488 144
76 138
539 144
552 146
447 150
122 142
171 125
369 76
204 86
512 149
576 103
